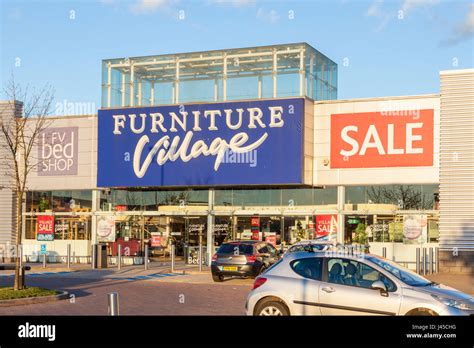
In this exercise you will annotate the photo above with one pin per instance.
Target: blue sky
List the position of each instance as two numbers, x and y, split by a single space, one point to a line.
382 47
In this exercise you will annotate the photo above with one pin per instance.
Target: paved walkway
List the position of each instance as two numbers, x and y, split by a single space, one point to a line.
139 297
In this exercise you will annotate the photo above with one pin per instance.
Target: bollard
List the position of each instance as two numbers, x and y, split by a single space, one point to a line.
437 259
113 303
424 263
68 256
119 256
145 261
20 255
200 258
384 252
44 260
418 270
22 271
200 252
93 256
172 257
430 269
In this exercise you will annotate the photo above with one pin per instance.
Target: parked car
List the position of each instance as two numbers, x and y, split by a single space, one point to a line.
243 259
310 245
318 283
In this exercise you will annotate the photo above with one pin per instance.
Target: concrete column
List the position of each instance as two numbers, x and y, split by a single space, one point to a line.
210 226
95 208
341 195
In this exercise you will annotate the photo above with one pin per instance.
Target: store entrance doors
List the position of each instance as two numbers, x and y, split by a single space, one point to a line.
195 235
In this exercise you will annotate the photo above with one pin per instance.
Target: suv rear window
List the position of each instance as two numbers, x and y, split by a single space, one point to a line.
245 249
309 268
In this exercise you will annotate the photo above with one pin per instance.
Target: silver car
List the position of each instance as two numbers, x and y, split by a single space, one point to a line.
328 283
310 245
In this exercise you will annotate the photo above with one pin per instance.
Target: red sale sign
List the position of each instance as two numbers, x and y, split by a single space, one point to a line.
382 139
272 239
45 224
255 221
326 225
155 241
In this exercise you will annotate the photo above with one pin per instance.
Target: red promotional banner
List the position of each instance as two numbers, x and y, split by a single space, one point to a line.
272 239
382 139
45 224
325 225
121 208
255 221
155 241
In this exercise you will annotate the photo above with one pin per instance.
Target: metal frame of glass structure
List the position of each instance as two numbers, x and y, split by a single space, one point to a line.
290 70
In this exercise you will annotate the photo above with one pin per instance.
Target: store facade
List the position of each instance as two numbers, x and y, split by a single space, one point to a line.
199 148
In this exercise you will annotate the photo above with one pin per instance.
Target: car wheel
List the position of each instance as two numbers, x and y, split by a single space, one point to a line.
272 308
424 312
217 278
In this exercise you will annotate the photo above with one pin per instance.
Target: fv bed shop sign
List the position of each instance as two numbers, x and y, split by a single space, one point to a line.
57 151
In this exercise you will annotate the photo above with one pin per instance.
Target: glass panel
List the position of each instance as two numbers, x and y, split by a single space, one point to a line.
399 197
65 227
201 75
39 201
128 200
72 228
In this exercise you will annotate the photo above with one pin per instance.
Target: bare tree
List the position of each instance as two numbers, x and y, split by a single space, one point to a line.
21 124
406 196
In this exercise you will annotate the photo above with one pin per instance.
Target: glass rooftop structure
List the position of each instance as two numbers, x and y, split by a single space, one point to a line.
278 71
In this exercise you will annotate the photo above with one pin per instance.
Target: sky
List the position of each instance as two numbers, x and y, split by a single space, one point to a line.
382 47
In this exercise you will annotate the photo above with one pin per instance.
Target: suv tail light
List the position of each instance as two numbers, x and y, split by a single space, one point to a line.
258 282
251 258
214 258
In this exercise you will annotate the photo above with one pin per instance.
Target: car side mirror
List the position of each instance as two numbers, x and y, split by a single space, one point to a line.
379 285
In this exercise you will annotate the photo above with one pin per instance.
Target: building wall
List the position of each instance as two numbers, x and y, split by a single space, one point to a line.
457 171
325 175
7 196
86 176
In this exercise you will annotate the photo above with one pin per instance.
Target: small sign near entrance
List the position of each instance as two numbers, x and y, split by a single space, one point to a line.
41 237
156 241
43 249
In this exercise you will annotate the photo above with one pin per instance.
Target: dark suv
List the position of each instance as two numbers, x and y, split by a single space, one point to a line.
243 258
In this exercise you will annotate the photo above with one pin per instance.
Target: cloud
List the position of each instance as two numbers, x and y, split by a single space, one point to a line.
462 31
234 3
409 5
374 9
271 16
147 6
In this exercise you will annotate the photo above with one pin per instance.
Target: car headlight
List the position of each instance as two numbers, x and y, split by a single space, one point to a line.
465 305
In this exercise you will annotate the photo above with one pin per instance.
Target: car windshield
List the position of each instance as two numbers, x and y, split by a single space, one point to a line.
406 276
231 248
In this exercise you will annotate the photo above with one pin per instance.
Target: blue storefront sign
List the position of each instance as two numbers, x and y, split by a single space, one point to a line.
232 143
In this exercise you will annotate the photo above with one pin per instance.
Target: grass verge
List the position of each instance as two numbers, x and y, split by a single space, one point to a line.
7 293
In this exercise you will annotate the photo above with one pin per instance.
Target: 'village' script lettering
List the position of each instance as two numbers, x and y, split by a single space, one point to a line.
171 147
